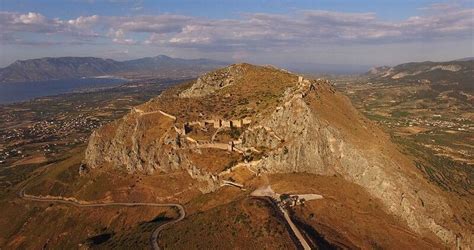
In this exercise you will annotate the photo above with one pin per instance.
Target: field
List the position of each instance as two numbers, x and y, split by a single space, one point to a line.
434 125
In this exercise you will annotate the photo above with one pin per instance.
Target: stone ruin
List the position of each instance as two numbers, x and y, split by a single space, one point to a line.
232 145
219 123
300 79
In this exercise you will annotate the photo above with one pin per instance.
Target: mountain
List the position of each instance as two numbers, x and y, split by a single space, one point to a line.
321 68
56 68
75 67
443 75
465 59
252 126
162 61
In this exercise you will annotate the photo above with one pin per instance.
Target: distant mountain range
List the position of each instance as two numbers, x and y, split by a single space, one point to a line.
458 74
466 59
50 68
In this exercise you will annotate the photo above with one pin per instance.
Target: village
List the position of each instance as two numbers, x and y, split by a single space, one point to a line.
50 126
47 134
457 124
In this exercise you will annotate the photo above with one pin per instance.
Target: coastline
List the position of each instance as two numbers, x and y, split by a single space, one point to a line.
18 92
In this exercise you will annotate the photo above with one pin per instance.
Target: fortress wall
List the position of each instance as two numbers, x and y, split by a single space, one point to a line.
168 115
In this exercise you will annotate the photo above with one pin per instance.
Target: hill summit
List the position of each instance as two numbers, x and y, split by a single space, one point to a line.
267 120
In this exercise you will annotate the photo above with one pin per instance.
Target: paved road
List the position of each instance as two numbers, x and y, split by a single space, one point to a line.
156 232
267 191
295 229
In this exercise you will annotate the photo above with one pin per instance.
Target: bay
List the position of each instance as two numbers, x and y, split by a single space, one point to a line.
24 91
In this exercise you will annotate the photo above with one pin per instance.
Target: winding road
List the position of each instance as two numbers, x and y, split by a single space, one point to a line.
156 232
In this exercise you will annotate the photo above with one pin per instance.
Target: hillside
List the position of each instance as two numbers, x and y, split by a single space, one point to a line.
443 75
75 67
257 126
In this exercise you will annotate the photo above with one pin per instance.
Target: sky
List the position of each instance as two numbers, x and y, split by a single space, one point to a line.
280 32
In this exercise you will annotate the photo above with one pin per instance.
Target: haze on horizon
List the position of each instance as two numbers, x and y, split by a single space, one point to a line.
281 32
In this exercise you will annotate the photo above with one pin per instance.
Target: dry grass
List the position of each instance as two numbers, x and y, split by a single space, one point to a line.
257 90
43 224
348 215
34 159
38 223
243 224
214 160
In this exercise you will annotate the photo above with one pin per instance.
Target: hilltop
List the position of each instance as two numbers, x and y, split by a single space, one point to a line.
51 68
255 125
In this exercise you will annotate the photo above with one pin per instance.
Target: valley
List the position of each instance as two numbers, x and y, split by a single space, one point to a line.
434 126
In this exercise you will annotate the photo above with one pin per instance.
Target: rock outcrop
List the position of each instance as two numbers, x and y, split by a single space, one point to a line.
311 143
136 145
214 81
300 126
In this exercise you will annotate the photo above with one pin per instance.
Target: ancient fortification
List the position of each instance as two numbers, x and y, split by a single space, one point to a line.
272 121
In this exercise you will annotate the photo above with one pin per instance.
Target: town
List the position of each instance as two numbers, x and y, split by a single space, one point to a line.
39 131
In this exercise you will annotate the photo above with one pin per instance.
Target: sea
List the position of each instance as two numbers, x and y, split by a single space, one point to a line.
25 91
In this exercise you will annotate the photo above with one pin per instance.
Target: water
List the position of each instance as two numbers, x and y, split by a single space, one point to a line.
24 91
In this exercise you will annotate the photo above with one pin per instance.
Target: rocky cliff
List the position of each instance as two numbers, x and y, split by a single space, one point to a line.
297 125
316 139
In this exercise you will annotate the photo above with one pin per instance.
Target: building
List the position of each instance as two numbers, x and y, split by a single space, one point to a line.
225 124
236 123
217 123
246 121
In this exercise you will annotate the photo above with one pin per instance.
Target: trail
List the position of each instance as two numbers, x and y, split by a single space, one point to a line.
72 202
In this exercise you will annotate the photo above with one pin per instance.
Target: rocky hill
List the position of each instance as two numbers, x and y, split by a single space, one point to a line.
74 67
263 120
454 74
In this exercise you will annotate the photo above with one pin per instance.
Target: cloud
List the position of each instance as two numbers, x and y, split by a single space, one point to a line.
164 23
28 22
118 36
309 28
252 31
34 28
84 21
30 18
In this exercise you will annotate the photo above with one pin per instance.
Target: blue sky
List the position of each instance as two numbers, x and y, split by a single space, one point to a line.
281 32
392 10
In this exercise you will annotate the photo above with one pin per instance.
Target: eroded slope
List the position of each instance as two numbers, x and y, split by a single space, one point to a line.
271 121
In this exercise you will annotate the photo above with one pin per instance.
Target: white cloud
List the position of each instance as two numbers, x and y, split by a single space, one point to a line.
149 24
253 31
84 21
30 18
16 25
